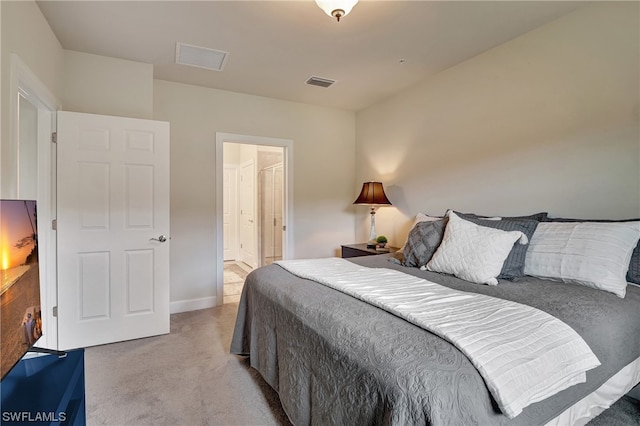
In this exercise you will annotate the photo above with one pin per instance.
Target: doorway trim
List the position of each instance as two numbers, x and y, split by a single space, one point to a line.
287 145
24 83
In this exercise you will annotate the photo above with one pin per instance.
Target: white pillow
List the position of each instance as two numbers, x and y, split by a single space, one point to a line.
472 252
420 217
593 254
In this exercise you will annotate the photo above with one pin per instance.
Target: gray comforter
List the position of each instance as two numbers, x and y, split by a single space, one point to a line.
334 359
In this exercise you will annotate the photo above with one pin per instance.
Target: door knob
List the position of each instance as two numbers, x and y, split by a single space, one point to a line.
161 238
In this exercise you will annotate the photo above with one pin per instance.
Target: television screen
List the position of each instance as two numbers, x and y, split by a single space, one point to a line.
20 316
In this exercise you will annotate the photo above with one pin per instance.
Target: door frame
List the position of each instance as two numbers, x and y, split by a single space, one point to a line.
23 82
287 157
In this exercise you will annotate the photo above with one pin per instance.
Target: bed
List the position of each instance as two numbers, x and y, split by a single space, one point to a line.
334 359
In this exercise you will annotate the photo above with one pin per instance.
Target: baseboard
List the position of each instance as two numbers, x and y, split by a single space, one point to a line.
193 304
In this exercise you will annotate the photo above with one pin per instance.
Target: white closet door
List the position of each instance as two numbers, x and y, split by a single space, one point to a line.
229 202
113 208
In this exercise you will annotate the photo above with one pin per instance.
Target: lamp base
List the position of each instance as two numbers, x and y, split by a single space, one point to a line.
372 231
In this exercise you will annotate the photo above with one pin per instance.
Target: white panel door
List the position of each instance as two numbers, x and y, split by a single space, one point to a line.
113 206
247 195
229 206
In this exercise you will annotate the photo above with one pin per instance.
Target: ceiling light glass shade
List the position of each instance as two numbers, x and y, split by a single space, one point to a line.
336 8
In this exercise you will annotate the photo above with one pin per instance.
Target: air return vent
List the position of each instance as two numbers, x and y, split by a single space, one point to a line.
201 57
320 82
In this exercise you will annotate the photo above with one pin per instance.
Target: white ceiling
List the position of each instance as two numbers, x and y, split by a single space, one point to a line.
275 46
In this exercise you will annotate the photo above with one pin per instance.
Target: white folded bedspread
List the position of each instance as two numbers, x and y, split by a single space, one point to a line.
524 355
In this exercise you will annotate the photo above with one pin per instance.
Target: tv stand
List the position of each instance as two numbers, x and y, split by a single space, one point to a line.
45 389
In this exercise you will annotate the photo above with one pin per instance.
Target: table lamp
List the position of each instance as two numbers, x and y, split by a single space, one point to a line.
373 195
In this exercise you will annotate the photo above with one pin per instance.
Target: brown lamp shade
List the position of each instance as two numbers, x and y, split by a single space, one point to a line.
372 194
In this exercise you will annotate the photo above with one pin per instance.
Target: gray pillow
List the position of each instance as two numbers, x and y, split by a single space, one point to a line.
422 242
539 217
633 274
514 264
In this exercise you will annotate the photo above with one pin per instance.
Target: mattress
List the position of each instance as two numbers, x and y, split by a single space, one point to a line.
602 398
334 359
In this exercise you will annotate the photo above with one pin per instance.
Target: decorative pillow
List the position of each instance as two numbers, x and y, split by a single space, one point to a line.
420 217
472 252
423 241
593 254
633 274
468 216
514 264
539 217
572 220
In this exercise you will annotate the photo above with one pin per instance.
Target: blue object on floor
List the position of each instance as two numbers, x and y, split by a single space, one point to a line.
45 390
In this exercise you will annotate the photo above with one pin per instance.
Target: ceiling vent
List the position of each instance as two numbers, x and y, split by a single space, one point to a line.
201 57
320 82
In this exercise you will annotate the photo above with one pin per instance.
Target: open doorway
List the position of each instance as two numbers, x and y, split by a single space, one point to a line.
253 189
254 209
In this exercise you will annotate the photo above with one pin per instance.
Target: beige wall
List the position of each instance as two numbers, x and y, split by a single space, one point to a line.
546 122
108 86
101 85
324 142
324 155
27 34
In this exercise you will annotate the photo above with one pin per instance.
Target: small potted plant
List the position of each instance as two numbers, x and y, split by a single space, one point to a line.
382 241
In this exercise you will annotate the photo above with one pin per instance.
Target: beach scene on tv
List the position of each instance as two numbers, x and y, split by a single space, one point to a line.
20 314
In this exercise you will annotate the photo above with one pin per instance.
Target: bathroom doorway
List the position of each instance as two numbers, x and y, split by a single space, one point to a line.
255 209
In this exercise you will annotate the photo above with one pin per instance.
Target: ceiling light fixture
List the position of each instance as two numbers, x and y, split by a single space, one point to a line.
336 8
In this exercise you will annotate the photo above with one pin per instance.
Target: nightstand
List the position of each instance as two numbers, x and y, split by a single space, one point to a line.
355 250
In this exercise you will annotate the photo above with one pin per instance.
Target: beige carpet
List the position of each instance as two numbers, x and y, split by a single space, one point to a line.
189 378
